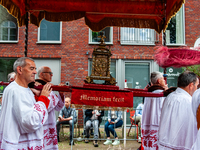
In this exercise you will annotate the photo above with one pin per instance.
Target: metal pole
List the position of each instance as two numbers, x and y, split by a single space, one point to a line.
125 127
74 111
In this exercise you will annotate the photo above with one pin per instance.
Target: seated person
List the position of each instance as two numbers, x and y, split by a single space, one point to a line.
138 117
114 121
93 118
66 117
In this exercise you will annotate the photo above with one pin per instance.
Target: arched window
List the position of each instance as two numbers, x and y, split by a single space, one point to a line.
8 31
49 32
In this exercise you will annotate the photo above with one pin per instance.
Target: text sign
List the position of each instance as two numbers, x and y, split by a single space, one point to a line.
102 98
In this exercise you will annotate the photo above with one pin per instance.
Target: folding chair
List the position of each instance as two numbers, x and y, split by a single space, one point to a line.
132 119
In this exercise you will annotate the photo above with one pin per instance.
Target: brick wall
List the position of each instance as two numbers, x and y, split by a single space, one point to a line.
72 51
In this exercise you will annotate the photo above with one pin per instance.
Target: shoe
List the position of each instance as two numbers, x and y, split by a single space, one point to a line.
116 142
139 148
71 143
95 143
107 142
86 141
139 139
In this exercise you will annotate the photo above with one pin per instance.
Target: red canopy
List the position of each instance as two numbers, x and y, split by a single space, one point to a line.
97 13
177 57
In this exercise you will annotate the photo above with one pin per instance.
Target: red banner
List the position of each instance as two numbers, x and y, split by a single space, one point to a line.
102 98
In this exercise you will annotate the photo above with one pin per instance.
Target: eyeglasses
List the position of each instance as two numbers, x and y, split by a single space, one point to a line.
51 73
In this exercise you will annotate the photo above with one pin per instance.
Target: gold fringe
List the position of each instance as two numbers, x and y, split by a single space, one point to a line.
14 11
77 106
173 12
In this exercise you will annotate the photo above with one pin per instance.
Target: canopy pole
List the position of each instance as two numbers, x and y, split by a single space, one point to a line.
164 39
26 34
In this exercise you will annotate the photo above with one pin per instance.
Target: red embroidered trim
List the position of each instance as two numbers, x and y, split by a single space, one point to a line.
54 100
50 137
150 138
37 107
44 112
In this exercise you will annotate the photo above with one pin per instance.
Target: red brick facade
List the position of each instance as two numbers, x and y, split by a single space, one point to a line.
72 50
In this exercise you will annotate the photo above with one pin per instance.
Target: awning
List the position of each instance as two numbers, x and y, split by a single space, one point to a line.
98 13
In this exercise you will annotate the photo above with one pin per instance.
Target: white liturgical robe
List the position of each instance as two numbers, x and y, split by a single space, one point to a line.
21 119
150 121
195 105
50 132
178 127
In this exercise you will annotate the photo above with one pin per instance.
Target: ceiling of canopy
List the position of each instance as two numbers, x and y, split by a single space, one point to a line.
98 14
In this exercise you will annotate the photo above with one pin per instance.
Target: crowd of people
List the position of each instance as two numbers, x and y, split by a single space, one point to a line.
167 123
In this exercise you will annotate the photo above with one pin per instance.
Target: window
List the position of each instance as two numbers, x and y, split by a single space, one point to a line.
50 32
137 75
175 32
9 31
95 39
136 36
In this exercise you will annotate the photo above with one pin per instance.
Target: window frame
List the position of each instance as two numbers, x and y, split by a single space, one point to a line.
17 36
49 42
138 43
177 44
108 43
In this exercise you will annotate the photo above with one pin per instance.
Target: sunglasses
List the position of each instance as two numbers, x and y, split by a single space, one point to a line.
51 73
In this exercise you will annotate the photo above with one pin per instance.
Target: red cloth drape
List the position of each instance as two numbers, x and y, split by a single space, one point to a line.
97 13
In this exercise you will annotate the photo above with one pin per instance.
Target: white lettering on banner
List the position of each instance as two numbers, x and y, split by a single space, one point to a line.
107 99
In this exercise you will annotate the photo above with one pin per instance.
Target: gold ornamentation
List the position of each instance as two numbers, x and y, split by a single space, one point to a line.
101 60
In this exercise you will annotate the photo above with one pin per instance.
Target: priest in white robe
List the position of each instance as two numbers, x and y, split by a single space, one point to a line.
22 116
196 112
178 128
56 104
151 112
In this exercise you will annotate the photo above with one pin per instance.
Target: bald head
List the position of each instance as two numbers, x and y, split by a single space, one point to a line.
45 73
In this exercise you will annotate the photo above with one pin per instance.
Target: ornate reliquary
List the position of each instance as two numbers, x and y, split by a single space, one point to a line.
101 60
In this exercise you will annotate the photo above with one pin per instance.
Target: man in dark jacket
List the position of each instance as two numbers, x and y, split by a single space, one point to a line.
93 118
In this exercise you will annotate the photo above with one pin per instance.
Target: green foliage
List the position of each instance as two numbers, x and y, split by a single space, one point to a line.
195 69
7 64
94 34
